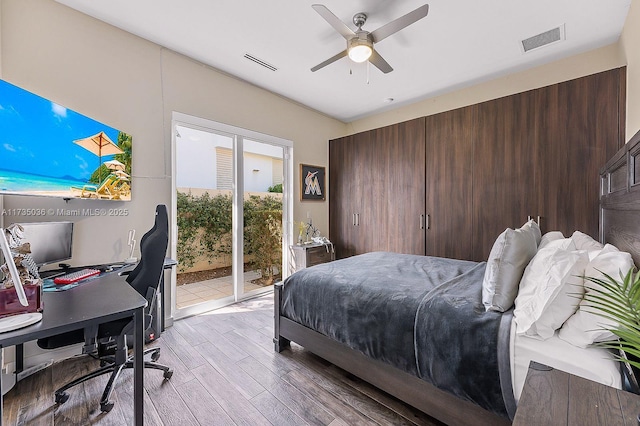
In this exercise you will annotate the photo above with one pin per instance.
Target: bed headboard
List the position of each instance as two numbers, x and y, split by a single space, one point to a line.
620 199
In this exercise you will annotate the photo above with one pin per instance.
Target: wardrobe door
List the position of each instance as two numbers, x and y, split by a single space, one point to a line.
403 177
580 122
371 215
353 195
504 169
449 183
342 230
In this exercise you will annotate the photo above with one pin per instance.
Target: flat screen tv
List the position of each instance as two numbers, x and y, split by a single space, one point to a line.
49 150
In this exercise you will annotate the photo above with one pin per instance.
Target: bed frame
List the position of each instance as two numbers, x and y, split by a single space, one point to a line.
619 225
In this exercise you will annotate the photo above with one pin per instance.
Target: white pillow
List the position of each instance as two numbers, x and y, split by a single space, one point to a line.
550 236
510 254
532 225
550 290
584 328
585 242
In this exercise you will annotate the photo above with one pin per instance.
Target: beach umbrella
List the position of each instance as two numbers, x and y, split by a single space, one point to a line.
114 165
121 174
99 144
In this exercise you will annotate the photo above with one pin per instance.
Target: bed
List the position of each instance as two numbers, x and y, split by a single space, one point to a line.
417 327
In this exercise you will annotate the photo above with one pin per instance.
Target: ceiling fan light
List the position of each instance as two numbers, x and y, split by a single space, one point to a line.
360 53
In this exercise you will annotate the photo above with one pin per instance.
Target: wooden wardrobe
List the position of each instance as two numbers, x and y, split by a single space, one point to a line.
449 184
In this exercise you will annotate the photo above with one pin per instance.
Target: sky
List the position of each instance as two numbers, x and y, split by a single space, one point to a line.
36 136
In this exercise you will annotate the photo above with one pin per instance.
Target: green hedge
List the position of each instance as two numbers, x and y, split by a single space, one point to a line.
209 218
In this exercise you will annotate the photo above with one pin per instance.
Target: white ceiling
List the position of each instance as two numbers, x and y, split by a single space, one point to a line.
460 42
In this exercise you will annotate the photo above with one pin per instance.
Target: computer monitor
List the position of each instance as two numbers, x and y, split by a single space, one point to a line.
51 242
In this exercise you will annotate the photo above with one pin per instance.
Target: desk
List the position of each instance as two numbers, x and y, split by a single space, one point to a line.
101 300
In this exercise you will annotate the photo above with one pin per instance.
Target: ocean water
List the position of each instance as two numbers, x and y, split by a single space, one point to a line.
11 181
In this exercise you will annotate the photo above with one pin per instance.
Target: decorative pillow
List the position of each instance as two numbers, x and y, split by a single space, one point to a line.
510 254
550 291
585 242
584 328
562 243
533 227
550 236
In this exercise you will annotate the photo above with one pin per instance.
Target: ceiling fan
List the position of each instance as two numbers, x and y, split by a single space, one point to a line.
360 43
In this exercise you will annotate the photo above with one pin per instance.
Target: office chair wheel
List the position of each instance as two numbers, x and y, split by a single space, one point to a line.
167 374
61 398
105 407
155 356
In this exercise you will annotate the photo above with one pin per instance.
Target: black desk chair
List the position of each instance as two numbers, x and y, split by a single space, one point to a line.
112 347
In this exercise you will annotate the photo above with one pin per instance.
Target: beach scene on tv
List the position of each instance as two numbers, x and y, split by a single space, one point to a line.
49 150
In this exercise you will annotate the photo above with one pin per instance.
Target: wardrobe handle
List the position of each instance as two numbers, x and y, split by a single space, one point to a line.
357 219
353 219
428 221
537 219
421 221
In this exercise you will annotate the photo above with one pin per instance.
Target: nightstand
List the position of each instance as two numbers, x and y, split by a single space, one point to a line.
306 255
553 397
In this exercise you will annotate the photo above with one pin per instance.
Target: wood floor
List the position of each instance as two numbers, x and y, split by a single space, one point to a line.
225 373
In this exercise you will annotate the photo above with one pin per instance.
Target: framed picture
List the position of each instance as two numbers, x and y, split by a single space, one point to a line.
312 186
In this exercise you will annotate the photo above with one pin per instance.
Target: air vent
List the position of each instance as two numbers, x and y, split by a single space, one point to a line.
543 39
260 62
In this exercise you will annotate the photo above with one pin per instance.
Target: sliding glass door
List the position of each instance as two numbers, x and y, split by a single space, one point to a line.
232 198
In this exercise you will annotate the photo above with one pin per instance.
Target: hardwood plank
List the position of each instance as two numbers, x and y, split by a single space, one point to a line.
190 335
40 408
233 352
125 400
277 364
411 414
202 405
327 399
275 411
299 403
350 396
189 356
181 373
167 401
230 399
227 368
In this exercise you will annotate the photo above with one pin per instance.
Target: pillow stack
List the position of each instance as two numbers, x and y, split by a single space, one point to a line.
551 289
509 256
550 294
584 328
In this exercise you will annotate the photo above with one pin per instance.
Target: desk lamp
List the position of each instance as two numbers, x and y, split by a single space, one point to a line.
14 322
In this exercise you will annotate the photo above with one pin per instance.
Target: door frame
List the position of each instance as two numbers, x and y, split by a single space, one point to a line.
238 134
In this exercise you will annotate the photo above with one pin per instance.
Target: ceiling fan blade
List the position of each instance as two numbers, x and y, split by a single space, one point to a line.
400 23
334 21
380 63
330 60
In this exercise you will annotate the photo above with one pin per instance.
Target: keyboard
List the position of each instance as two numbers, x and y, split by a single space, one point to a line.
73 277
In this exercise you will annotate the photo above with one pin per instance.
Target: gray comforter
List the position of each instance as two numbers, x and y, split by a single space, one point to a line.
423 315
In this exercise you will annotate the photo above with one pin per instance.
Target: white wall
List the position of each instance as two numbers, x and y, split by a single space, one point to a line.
630 48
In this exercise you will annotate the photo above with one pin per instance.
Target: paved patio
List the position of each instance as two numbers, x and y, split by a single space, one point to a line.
217 288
